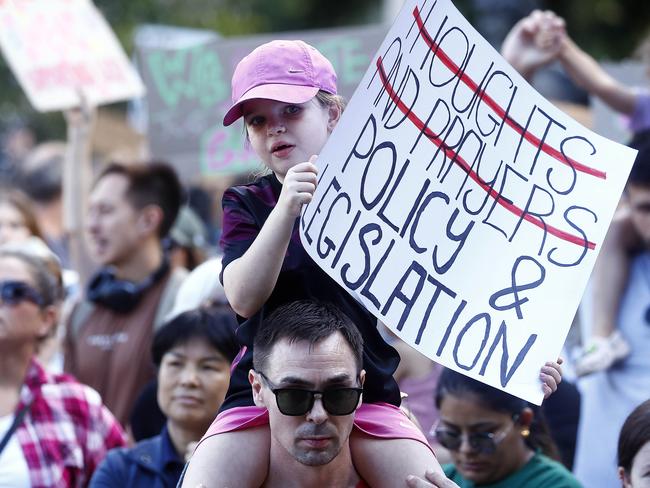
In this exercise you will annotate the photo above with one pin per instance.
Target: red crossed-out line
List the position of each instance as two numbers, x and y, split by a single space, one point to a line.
450 153
489 101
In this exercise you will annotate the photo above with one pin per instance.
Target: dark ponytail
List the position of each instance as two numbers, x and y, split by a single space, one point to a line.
459 385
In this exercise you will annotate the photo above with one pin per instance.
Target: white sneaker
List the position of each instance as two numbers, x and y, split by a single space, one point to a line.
601 353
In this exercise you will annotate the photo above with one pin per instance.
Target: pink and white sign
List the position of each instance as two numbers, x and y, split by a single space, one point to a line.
59 48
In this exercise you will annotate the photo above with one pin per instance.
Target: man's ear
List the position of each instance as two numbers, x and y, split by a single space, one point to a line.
256 385
362 379
362 376
150 218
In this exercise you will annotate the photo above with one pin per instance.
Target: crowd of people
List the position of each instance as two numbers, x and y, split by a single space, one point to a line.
253 367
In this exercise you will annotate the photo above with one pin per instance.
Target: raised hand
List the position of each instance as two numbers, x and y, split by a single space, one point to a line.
551 376
298 187
434 479
534 41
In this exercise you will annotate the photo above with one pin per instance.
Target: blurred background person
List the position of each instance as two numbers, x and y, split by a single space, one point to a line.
609 395
417 377
634 448
16 140
193 353
495 439
54 430
41 178
109 332
188 240
17 217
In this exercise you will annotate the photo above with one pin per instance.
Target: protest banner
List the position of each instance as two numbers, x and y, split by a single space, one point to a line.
188 92
459 206
59 48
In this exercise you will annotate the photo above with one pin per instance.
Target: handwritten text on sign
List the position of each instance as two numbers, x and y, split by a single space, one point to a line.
459 206
58 48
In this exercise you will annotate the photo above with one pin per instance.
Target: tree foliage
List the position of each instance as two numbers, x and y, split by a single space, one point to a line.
605 28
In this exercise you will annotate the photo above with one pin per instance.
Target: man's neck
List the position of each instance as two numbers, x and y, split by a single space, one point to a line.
141 263
286 472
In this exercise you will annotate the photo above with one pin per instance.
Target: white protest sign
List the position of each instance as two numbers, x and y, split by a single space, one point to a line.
459 206
58 48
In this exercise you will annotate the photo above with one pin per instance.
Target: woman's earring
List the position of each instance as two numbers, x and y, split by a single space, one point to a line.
525 432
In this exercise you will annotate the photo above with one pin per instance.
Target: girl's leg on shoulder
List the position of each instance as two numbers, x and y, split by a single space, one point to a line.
230 460
386 463
611 274
610 277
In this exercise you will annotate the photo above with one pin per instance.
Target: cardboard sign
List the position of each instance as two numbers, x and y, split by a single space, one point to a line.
188 93
459 206
59 48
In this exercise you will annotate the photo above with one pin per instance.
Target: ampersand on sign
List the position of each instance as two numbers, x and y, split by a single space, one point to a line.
516 288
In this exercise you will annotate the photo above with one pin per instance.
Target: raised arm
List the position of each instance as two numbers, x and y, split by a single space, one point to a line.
589 75
249 280
77 176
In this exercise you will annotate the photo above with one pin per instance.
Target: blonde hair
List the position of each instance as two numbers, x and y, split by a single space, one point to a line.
328 99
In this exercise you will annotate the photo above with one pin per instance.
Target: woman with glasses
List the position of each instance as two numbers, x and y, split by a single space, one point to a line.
54 431
495 439
192 352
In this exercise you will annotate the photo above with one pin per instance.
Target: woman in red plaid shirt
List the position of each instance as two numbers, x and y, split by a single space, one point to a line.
54 431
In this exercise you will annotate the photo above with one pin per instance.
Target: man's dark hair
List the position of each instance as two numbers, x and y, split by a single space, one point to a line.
640 174
635 433
153 183
307 321
215 325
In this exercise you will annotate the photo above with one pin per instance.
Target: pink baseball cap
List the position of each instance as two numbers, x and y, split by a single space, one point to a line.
286 71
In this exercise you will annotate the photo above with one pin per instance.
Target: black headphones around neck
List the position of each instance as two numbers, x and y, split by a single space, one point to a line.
121 296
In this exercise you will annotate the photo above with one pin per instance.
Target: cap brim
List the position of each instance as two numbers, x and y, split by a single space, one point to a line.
278 92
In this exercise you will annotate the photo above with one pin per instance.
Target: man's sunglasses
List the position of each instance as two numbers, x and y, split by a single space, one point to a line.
297 401
480 442
15 292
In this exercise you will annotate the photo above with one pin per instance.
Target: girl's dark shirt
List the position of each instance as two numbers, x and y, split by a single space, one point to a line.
245 209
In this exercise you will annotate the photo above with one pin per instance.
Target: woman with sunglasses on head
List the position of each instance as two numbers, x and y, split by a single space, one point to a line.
496 440
54 431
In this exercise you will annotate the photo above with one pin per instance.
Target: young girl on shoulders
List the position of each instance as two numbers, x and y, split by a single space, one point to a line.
286 93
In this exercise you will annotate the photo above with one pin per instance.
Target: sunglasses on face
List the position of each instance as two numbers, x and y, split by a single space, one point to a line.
480 442
15 292
298 401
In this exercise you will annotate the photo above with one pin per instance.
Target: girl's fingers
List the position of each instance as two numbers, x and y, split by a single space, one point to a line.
552 372
302 187
306 166
302 176
555 368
